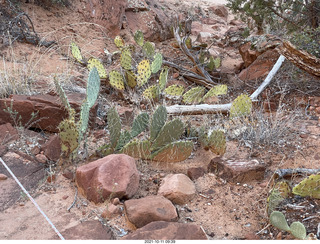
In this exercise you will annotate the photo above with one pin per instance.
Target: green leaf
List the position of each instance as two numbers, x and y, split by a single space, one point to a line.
138 37
157 122
278 220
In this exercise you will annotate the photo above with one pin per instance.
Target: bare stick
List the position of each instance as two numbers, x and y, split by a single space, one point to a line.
74 201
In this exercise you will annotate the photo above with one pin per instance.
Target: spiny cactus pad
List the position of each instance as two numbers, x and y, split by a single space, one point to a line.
163 77
139 124
119 41
92 62
194 95
124 138
173 152
68 133
152 92
138 37
76 53
158 120
277 219
126 59
84 119
298 230
156 63
279 192
170 132
310 186
62 95
216 91
148 49
116 80
144 72
241 106
174 90
214 63
217 142
114 125
138 149
93 87
131 79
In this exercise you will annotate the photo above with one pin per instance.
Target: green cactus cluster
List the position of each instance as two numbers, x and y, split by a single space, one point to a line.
163 144
214 140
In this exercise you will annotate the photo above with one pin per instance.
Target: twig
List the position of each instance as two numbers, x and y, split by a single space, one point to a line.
74 201
263 229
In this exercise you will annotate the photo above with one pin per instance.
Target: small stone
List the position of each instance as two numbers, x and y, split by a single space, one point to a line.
175 75
303 135
116 201
65 197
35 150
111 211
196 172
3 177
41 158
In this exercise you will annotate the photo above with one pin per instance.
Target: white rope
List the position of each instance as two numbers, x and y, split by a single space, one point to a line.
32 200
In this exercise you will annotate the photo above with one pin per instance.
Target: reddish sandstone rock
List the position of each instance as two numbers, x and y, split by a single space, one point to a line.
143 211
7 133
248 55
178 188
3 177
220 10
161 230
111 211
237 171
52 148
196 172
115 174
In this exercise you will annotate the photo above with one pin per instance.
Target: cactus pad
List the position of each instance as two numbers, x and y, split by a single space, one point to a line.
174 90
68 133
138 149
310 186
214 63
173 152
92 62
76 53
62 95
217 142
119 41
138 37
114 125
170 132
126 59
241 106
116 80
216 91
144 72
157 122
131 79
139 124
152 92
148 49
194 95
84 118
279 192
277 219
93 87
163 77
124 138
156 63
298 230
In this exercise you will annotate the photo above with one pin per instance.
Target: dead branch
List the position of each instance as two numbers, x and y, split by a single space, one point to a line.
222 108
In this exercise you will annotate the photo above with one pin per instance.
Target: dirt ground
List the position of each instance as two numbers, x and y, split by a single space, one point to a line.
225 210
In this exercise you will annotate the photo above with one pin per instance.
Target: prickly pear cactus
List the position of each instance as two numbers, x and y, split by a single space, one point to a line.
148 49
126 59
93 87
76 53
84 119
278 220
279 192
124 138
170 132
173 152
216 91
114 125
138 149
174 90
131 78
119 41
156 63
139 124
217 142
310 187
241 106
194 95
214 63
163 77
62 95
152 92
158 120
116 80
298 230
92 62
138 37
144 72
68 133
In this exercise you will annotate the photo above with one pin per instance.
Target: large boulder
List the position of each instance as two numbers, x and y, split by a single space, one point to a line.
44 112
115 175
143 211
161 230
178 188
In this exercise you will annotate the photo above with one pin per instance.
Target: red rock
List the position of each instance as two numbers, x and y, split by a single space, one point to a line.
178 188
50 110
115 174
317 110
116 201
65 197
237 171
41 158
248 55
3 177
35 150
3 150
220 10
161 230
260 67
7 132
143 211
196 172
111 211
52 148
